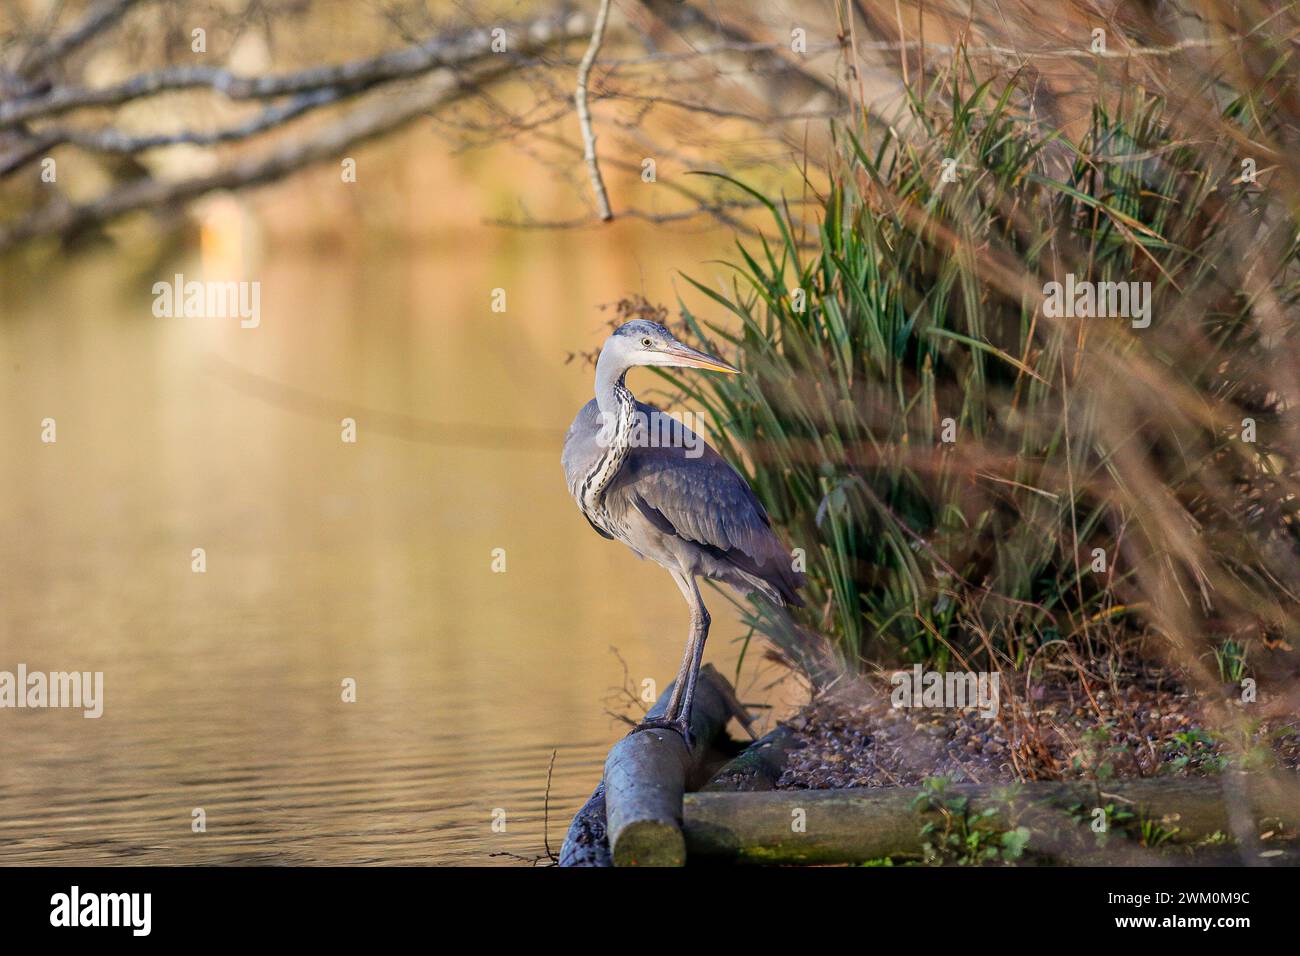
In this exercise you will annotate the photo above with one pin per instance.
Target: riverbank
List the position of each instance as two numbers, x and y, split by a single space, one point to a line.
1146 725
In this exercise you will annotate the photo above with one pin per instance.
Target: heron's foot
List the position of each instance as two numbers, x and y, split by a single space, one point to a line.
680 725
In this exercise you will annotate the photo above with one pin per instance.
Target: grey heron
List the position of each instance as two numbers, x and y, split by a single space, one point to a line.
678 502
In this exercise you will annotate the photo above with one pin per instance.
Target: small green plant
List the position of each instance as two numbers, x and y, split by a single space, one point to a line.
962 836
1117 819
1124 822
1194 749
1100 751
1153 833
1231 658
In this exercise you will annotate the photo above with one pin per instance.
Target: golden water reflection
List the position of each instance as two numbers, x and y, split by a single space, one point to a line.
325 560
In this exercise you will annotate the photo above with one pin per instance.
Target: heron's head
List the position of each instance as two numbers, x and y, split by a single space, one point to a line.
641 342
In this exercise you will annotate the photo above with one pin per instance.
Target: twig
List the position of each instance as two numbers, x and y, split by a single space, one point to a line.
546 811
96 22
584 113
577 222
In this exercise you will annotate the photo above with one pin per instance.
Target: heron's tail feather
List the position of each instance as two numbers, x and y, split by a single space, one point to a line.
778 588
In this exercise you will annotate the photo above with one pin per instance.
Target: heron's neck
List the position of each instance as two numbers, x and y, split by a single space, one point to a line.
617 407
610 390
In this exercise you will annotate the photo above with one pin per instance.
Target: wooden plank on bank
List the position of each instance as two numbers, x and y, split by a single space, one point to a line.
850 826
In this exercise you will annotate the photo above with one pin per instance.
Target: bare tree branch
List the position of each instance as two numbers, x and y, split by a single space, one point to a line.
719 208
652 99
96 22
113 141
440 52
584 113
26 135
786 77
30 128
359 125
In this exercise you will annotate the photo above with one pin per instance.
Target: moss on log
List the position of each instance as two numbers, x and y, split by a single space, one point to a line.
849 826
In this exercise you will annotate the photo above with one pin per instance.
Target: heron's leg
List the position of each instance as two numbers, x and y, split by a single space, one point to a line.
700 621
677 715
683 678
679 702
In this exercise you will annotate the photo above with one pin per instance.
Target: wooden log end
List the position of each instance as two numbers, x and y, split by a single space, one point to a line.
634 817
650 843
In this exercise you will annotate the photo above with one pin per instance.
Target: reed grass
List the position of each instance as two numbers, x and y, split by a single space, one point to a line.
1097 491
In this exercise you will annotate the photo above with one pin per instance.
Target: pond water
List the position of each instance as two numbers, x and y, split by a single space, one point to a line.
324 560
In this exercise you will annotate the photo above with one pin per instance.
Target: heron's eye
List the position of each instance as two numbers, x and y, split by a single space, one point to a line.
645 343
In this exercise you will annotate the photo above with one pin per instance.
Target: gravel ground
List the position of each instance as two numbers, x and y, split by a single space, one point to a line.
1151 726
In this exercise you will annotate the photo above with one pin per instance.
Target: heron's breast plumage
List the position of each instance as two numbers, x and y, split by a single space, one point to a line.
682 505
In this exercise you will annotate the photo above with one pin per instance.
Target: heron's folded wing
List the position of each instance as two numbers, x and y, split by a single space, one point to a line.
700 499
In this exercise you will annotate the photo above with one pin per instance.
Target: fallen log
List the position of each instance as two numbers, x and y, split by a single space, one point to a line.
586 843
850 826
634 816
646 775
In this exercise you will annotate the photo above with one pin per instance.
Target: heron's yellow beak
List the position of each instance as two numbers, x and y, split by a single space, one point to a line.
686 357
